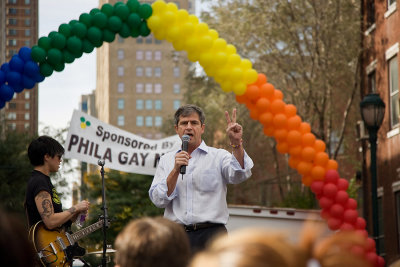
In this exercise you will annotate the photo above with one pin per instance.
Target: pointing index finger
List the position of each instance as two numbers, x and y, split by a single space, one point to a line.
234 115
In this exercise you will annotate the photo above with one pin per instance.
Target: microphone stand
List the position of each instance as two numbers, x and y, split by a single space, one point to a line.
105 214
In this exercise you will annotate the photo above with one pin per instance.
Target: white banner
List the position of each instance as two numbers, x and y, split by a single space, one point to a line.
90 139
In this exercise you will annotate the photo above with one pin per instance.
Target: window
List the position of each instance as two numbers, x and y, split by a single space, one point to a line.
177 72
158 41
157 72
27 11
120 71
12 21
121 120
157 55
149 40
27 32
149 55
394 91
27 105
177 104
149 72
158 88
149 88
121 87
121 103
12 42
27 22
177 4
84 106
12 1
149 104
177 88
12 116
139 120
371 83
149 121
139 104
27 116
139 40
12 11
12 32
391 2
158 121
27 43
27 2
158 104
139 88
27 95
26 125
139 55
370 12
121 53
12 105
12 126
139 71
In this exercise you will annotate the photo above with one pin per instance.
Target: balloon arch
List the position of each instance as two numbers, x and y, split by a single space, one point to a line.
219 60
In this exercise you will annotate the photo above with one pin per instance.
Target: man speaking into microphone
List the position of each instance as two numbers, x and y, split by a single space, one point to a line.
198 200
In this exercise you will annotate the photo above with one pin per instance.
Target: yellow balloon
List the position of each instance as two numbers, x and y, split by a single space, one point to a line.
230 49
211 70
219 44
191 43
158 7
201 28
187 29
154 22
250 76
159 34
236 74
239 88
168 18
220 58
213 33
234 60
193 56
171 6
178 44
222 74
246 64
205 42
193 19
226 86
206 59
173 32
182 15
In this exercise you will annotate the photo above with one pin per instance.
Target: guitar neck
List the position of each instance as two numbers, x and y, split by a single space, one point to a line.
87 230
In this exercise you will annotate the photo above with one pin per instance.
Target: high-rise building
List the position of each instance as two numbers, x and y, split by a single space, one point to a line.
140 81
18 28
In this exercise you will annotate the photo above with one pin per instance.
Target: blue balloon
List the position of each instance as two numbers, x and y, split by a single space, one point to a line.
27 82
31 69
39 78
18 88
25 53
6 93
13 78
2 104
16 64
2 77
5 67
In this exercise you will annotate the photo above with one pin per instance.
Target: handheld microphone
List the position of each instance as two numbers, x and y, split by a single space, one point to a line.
101 162
185 143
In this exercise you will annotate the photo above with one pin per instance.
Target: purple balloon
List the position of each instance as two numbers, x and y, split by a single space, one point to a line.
2 77
31 69
13 78
25 53
6 93
27 82
16 64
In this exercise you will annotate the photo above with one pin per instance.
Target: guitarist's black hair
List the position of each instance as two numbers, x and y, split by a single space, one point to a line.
43 145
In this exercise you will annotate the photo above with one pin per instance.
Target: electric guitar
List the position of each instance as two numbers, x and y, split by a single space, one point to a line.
57 247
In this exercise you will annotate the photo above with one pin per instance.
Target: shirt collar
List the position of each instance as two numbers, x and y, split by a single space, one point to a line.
202 147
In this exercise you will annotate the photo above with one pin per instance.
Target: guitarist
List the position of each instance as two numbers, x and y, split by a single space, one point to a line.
42 201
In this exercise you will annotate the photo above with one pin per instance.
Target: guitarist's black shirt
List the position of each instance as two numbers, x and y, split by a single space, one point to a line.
40 182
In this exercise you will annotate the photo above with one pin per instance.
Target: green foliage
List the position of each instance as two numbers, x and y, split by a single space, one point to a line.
299 198
353 188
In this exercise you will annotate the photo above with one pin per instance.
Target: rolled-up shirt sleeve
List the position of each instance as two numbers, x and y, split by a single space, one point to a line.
159 189
233 172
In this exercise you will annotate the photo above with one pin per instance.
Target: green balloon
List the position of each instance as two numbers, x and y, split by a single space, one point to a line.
135 32
68 57
44 43
65 29
118 3
77 54
94 35
125 31
45 69
38 54
54 56
107 9
87 46
144 29
100 20
86 19
51 34
74 45
133 5
114 24
58 41
59 67
121 11
145 11
134 20
108 35
94 11
79 29
72 22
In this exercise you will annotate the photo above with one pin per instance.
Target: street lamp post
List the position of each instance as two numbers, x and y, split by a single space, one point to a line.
372 112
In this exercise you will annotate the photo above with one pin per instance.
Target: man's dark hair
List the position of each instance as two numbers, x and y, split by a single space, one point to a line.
187 110
43 145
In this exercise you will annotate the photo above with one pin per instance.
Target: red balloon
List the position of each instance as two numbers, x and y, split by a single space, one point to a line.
347 227
325 202
351 204
316 187
331 176
350 216
362 233
343 184
325 214
372 258
357 250
337 210
334 223
360 223
330 190
370 245
342 197
381 262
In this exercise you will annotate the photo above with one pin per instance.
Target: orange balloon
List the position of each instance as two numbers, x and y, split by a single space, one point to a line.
294 123
294 138
252 92
278 94
280 135
304 167
308 153
268 131
267 90
241 99
305 127
295 151
306 180
254 114
277 106
321 158
262 104
308 139
332 165
319 146
261 79
266 118
318 173
280 121
282 147
293 162
290 110
250 105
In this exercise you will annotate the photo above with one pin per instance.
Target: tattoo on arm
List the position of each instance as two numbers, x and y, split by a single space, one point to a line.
72 210
47 208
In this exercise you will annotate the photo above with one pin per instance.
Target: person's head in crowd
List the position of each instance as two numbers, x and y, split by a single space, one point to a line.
148 242
44 146
262 248
15 248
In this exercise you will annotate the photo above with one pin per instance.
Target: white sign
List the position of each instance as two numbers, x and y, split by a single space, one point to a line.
90 139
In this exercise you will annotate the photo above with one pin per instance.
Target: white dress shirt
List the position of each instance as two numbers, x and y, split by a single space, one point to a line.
201 195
